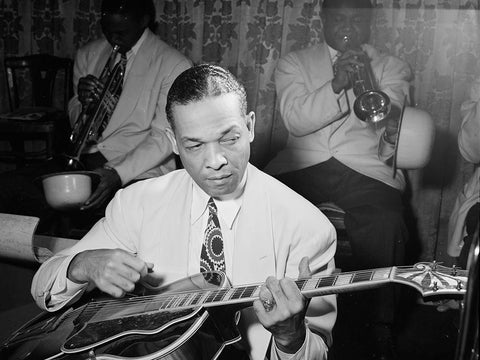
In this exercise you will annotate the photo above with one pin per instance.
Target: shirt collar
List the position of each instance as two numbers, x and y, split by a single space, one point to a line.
134 50
227 209
333 53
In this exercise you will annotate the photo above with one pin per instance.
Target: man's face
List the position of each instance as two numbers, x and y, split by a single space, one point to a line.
346 27
122 30
212 137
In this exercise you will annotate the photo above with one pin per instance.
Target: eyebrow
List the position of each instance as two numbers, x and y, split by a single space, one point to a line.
226 131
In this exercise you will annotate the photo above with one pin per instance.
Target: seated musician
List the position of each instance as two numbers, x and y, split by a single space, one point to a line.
131 143
464 219
218 213
333 155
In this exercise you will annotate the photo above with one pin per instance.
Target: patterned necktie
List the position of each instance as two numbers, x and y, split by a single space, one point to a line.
212 257
115 86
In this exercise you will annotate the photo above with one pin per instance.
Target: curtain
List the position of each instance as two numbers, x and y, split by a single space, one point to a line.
439 39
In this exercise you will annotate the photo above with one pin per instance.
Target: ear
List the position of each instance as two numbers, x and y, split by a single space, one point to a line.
250 119
173 140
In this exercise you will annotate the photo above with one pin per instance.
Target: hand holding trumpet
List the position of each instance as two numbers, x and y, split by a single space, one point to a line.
89 90
344 68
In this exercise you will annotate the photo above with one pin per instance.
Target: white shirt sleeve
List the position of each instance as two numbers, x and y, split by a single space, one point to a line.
313 348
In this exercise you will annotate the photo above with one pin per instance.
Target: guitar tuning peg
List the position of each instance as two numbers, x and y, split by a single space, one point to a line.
435 286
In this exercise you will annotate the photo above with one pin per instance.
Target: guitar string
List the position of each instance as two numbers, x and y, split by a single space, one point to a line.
184 295
174 301
179 299
165 300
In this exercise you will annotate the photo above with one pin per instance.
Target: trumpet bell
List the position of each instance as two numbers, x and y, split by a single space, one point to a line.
372 106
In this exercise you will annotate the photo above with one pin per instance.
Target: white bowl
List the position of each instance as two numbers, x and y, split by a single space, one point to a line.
67 190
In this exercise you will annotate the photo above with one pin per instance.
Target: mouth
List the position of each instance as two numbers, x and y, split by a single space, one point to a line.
219 178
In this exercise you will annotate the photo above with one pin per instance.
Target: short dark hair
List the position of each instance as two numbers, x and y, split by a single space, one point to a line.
136 8
199 82
329 4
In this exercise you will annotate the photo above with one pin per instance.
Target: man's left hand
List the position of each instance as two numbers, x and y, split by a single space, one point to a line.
110 182
391 124
281 310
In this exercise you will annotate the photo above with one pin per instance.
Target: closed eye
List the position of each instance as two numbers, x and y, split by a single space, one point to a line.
193 147
230 140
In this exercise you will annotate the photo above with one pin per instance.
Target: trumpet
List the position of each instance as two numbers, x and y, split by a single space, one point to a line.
371 105
94 116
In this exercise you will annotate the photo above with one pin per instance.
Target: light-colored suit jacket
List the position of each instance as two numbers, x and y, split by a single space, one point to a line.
318 121
134 141
276 228
469 145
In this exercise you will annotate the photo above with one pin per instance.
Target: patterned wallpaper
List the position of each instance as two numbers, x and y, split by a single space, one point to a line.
439 39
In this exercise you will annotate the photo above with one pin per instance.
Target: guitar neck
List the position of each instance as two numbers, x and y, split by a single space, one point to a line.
427 278
315 286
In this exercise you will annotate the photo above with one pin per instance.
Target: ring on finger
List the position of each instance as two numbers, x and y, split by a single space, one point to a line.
268 304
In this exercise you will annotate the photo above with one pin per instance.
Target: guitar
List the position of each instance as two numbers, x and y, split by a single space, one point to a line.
198 311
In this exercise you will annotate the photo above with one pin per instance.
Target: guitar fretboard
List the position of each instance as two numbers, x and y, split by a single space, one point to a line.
316 286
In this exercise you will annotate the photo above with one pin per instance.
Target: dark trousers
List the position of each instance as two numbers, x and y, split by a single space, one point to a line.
373 220
21 190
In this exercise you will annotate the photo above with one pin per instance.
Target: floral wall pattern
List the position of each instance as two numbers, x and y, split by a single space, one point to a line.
440 39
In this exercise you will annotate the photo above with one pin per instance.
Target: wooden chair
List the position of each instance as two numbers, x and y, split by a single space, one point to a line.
34 85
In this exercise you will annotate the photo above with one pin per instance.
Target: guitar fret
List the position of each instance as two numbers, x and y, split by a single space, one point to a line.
361 276
183 298
229 294
220 294
196 298
168 302
343 279
210 297
301 284
326 281
381 274
237 293
249 290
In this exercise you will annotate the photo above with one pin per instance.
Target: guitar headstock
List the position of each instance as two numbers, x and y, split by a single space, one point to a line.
431 278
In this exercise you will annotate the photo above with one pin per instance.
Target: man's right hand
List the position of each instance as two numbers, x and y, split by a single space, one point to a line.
89 89
114 271
344 68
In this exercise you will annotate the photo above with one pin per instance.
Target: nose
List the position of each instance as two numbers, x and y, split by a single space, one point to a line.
215 157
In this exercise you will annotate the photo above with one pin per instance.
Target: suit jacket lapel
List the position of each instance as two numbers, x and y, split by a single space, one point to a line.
326 72
102 58
254 239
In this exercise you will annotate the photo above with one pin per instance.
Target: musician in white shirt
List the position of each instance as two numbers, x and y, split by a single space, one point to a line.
154 228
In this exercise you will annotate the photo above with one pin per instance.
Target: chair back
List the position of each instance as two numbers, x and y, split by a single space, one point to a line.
42 73
39 88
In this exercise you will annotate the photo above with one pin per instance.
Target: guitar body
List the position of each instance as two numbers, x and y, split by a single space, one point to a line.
114 330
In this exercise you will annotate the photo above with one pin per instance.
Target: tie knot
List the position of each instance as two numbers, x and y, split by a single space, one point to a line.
123 60
211 206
